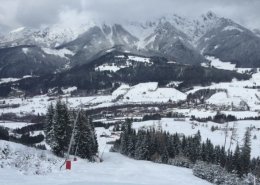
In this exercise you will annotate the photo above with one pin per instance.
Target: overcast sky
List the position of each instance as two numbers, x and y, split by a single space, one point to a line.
34 13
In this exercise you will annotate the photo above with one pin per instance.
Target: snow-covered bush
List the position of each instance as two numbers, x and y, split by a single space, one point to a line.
181 161
218 175
27 160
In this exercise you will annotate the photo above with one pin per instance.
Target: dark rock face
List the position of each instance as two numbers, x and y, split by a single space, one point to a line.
231 42
27 60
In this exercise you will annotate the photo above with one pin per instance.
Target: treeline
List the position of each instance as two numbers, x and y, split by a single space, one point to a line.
22 135
29 128
158 146
4 134
218 118
25 138
203 94
151 117
28 140
26 118
59 127
222 118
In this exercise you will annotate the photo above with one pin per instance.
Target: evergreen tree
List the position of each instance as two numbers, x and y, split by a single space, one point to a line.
62 129
196 147
246 153
124 148
177 144
222 157
49 127
131 143
171 148
209 151
236 166
94 148
217 154
144 153
138 145
165 156
85 138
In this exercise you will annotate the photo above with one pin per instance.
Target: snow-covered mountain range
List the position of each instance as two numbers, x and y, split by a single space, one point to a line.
57 35
176 38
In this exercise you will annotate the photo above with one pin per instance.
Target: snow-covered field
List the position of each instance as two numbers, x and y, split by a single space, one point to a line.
14 125
219 64
217 137
39 104
115 170
202 113
150 92
140 93
237 92
7 80
115 67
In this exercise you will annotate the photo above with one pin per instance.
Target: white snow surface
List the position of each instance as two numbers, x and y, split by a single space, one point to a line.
217 63
113 67
6 80
230 28
109 67
116 169
139 59
236 93
69 90
61 53
39 104
150 92
17 30
25 50
122 90
26 161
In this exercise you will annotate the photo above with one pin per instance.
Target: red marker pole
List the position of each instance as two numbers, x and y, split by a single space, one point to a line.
68 165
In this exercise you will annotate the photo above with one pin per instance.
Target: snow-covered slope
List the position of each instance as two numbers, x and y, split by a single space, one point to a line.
51 36
238 93
116 169
29 161
217 137
149 93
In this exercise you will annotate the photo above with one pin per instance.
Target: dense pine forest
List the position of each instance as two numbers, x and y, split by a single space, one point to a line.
188 151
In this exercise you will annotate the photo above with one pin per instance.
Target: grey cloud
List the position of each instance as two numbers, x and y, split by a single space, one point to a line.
35 13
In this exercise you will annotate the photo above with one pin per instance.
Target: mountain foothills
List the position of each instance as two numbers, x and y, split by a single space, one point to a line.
178 39
114 68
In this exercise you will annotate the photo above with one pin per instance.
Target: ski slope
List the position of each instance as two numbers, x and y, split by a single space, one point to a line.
116 169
